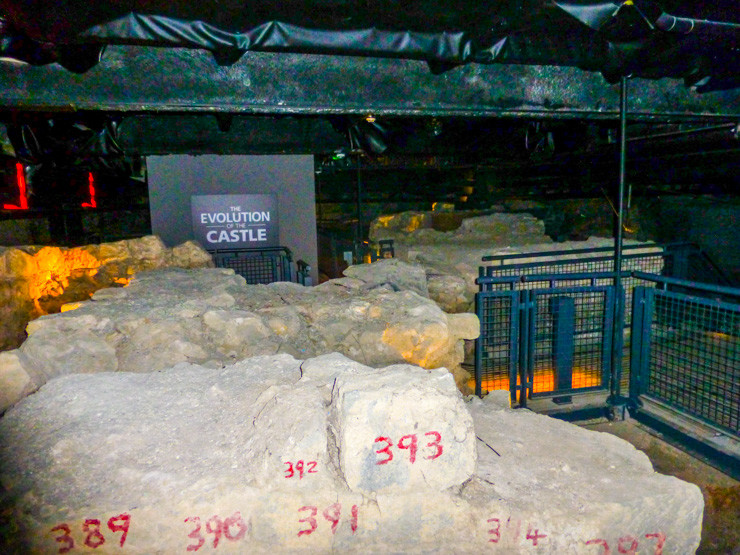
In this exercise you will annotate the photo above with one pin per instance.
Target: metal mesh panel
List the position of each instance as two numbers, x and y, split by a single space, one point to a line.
256 266
688 261
494 356
694 357
651 263
571 334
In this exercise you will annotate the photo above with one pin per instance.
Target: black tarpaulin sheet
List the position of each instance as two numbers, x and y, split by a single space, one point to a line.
674 38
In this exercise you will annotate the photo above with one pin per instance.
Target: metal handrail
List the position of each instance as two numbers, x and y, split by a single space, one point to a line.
549 277
497 257
732 291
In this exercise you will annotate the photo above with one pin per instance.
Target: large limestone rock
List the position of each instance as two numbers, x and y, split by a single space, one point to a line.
396 405
39 280
277 455
419 228
392 273
211 317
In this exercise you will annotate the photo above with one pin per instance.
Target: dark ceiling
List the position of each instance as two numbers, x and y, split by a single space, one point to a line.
642 38
521 89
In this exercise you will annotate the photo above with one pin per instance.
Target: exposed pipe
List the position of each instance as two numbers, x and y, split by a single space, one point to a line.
731 127
359 236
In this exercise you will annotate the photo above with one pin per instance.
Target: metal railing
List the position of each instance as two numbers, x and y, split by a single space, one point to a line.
266 265
678 260
546 334
686 349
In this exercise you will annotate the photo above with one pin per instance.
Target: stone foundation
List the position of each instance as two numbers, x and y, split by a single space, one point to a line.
38 280
451 258
277 455
211 317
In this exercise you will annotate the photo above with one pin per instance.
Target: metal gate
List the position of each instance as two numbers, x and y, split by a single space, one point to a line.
549 319
686 352
554 336
551 336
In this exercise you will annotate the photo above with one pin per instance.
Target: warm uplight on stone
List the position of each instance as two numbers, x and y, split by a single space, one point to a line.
39 280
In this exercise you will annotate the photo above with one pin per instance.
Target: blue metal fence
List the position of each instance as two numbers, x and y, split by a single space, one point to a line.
686 350
545 335
266 265
551 334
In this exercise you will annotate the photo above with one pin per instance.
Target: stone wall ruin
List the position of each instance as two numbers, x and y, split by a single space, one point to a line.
188 411
276 455
450 247
38 280
211 317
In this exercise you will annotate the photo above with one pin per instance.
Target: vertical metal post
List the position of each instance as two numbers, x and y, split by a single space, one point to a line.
358 239
619 296
562 309
483 319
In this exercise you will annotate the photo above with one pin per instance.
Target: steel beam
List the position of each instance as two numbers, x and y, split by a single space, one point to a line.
146 79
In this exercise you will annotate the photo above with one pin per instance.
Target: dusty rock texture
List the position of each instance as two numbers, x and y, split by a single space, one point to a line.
211 317
277 455
451 258
39 280
436 228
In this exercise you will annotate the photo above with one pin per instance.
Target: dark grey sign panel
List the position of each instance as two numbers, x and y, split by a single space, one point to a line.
235 221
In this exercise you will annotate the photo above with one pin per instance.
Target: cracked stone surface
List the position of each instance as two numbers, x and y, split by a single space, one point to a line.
274 454
211 317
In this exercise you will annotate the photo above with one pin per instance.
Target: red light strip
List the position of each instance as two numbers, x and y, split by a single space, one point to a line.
91 189
23 201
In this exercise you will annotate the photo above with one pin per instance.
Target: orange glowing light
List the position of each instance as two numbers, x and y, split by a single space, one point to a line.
544 380
23 200
91 190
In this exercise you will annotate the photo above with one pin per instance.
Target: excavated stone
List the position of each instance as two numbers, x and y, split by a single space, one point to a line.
450 293
16 381
211 317
55 352
493 229
393 273
40 280
593 490
202 459
414 417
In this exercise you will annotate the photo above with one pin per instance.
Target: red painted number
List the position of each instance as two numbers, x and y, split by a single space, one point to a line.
496 531
235 520
214 526
332 514
93 538
353 521
534 537
125 520
660 536
412 445
602 543
219 528
65 538
628 545
195 534
436 444
311 521
300 466
386 449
